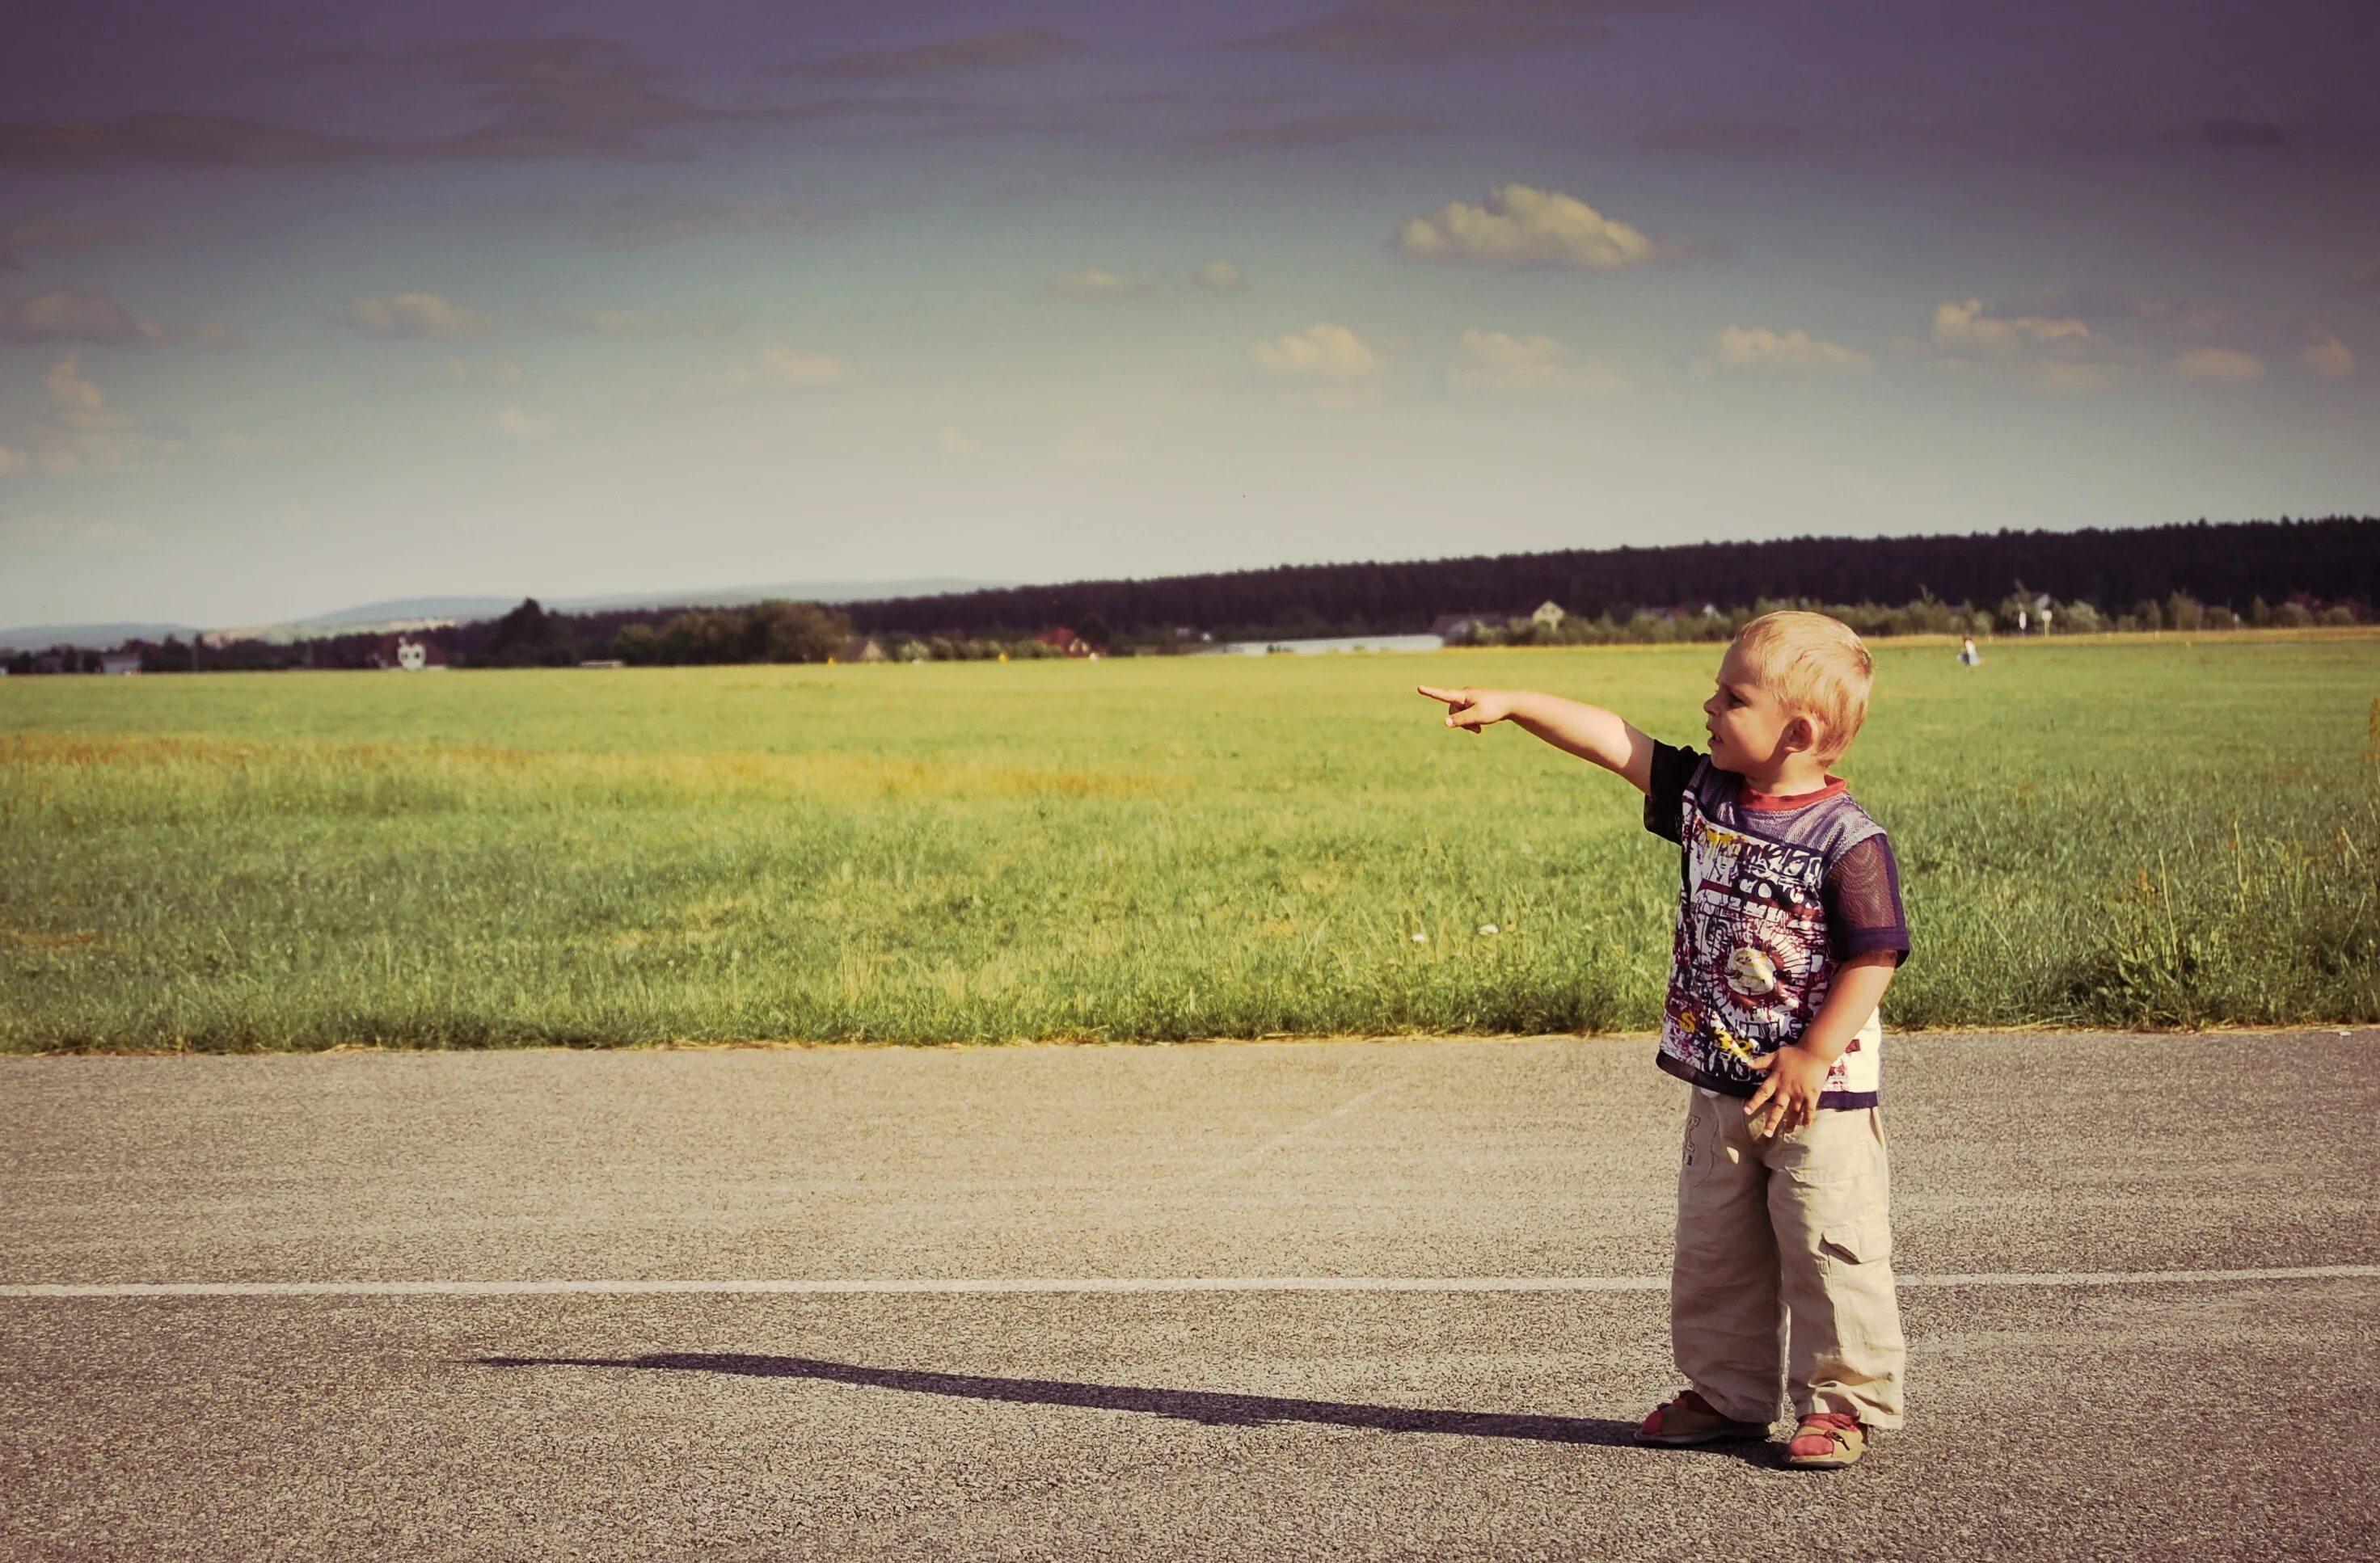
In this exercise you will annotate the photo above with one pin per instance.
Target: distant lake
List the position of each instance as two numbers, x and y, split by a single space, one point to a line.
1343 643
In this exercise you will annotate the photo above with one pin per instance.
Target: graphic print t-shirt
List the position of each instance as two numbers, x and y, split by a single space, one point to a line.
1773 894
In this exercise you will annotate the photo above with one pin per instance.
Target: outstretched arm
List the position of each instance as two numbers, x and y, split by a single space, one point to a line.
1589 732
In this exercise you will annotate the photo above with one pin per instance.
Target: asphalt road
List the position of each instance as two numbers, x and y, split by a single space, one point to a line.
2197 1415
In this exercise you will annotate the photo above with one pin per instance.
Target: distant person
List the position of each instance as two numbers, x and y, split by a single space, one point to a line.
1967 652
1789 931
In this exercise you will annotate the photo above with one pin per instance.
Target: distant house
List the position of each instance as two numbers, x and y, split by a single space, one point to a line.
860 648
402 653
1548 615
1465 626
119 662
1066 640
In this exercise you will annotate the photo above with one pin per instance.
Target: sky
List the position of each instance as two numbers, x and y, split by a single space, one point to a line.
304 306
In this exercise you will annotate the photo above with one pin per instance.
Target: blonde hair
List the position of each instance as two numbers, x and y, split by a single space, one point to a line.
1817 668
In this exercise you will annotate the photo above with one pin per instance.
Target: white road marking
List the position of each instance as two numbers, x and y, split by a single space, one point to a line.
1108 1284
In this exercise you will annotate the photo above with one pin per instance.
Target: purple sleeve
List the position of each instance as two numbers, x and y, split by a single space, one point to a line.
1862 898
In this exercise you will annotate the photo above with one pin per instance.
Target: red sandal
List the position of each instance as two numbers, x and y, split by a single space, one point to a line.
1827 1441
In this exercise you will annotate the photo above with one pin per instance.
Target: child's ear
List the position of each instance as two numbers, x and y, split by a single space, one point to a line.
1799 736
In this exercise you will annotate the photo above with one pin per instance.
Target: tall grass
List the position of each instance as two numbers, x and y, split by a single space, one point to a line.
2129 834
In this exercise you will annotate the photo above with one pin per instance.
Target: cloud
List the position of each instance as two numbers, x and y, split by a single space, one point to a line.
637 221
2229 135
1495 363
1096 283
1522 226
1396 32
1969 327
1219 276
1796 351
66 314
418 314
1324 365
2218 365
977 50
1306 134
25 238
781 367
80 435
553 97
2110 307
520 424
2328 359
483 371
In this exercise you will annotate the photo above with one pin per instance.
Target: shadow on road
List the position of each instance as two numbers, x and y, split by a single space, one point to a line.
1206 1406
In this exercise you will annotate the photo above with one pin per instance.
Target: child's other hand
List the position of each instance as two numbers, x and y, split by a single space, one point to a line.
1791 1093
1472 709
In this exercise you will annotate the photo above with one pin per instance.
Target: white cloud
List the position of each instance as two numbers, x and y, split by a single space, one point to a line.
1794 352
1968 327
81 434
1324 365
779 367
956 443
418 314
523 425
1518 225
1096 283
67 314
1496 363
2328 359
489 371
1219 276
2219 366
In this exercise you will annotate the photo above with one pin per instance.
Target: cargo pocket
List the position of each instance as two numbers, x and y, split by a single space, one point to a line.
1865 1241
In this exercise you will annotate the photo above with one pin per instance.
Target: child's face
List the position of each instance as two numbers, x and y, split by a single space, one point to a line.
1749 729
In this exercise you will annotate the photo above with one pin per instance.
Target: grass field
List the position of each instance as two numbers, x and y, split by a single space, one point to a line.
2130 832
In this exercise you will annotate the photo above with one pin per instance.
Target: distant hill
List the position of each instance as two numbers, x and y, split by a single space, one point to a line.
407 612
91 637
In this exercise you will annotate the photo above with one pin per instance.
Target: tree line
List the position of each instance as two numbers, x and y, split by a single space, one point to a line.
2336 560
2194 577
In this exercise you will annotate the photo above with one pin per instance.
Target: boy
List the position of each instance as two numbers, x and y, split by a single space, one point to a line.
1789 930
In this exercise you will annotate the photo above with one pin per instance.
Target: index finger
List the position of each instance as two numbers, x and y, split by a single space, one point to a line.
1451 697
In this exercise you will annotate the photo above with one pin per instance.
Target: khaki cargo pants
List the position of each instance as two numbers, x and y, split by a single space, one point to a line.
1784 1266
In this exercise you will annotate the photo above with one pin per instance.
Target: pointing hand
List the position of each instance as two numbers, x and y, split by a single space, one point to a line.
1471 708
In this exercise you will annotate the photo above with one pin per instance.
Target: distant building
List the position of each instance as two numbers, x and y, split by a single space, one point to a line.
1548 615
402 653
1465 626
119 662
860 649
1065 640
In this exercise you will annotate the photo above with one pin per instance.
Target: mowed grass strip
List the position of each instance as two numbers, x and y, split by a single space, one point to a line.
2135 832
